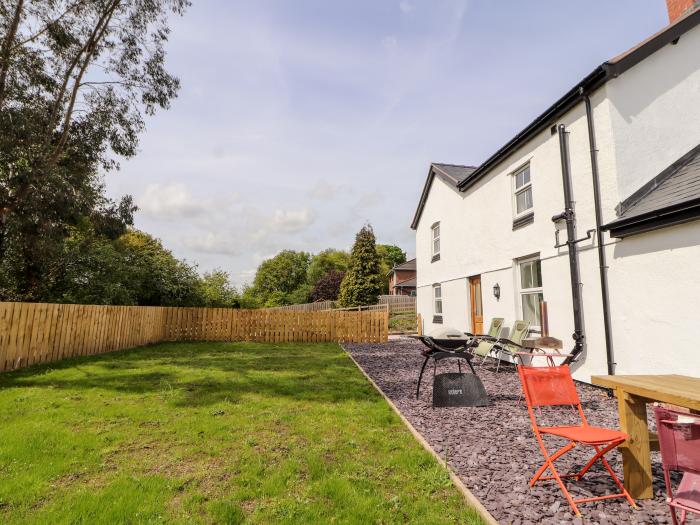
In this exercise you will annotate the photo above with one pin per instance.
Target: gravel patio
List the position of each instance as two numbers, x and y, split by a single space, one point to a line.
493 449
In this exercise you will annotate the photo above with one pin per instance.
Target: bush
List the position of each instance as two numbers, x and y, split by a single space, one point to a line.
328 287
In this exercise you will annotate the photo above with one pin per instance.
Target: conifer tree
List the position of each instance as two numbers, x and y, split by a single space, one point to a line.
362 282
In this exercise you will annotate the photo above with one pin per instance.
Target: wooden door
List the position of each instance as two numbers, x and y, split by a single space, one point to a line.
477 314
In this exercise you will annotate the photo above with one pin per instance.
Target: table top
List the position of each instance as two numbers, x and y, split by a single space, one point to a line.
543 342
674 389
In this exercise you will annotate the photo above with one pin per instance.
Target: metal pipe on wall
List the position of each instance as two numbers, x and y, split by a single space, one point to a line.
570 217
602 262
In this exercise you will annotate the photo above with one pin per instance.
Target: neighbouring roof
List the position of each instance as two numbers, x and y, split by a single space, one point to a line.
672 197
408 283
408 265
451 174
606 71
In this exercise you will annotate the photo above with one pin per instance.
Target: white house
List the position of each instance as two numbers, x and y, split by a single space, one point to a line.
624 278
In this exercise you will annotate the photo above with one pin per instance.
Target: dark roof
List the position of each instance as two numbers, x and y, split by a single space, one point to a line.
599 76
672 197
408 283
451 174
408 265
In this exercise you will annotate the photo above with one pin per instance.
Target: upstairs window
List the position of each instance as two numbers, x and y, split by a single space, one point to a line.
522 191
435 235
531 295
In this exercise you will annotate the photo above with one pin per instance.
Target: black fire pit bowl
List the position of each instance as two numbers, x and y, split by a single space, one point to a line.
459 390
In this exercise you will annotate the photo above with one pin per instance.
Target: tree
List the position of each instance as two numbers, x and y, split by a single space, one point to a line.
327 261
216 290
390 255
281 280
158 278
362 283
327 287
77 78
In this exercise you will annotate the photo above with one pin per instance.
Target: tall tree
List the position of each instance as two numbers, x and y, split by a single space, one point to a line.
362 282
327 261
77 78
282 279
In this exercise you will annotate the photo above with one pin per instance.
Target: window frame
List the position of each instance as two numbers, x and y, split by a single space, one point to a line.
435 255
529 291
522 189
437 286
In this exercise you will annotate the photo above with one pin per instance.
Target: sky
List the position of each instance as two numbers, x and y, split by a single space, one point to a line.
299 121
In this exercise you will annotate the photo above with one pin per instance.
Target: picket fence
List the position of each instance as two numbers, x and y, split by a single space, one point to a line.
32 333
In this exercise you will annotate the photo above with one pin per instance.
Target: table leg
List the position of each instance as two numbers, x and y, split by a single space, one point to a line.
636 452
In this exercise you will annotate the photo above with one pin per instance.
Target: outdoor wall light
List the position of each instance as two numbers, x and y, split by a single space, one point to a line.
497 291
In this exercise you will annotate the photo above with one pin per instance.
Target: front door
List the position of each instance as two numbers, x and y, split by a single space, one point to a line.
476 310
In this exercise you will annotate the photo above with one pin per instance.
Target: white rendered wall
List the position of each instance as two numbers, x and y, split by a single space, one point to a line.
654 109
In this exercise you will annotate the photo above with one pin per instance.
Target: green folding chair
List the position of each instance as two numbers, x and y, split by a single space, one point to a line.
499 346
484 342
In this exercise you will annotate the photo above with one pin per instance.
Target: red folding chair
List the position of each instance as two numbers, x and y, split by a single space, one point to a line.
554 386
679 440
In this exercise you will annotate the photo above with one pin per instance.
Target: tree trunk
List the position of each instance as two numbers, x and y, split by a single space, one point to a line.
5 51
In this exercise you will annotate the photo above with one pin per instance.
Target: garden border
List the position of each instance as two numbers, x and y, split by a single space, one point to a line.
471 500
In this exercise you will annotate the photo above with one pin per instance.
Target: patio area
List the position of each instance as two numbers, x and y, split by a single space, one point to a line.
493 449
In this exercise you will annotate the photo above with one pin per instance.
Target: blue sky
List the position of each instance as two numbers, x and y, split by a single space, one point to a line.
299 121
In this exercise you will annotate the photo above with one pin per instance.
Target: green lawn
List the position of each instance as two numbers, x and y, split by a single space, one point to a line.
212 433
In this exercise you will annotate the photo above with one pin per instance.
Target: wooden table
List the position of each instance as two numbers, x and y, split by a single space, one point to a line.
633 393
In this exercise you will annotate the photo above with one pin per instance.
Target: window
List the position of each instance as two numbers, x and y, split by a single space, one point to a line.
437 300
522 191
531 296
435 228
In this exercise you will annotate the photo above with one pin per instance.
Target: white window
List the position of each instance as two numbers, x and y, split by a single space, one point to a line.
436 239
522 192
530 274
437 300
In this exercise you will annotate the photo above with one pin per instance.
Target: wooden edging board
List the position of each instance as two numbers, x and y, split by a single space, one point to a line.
471 500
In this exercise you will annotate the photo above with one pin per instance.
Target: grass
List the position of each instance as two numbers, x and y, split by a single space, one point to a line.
212 433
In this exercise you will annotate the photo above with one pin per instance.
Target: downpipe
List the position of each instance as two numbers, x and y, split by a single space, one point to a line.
569 215
602 260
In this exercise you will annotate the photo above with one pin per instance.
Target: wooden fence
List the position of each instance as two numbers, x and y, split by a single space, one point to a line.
32 333
306 307
399 304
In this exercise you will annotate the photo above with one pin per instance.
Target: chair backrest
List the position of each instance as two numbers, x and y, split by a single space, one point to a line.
496 325
548 386
519 331
679 440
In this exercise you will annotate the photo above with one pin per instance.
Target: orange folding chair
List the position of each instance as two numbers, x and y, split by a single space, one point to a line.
554 386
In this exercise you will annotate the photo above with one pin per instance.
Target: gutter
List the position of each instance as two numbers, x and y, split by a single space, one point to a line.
653 220
608 70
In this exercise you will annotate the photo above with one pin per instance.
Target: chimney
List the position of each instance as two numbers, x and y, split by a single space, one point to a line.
677 8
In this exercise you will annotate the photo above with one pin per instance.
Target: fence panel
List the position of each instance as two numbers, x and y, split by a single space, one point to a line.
32 333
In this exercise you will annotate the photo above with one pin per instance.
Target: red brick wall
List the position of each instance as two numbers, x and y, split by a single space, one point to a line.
401 275
676 8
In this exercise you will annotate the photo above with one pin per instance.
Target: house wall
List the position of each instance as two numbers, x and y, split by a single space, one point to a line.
644 120
477 236
654 111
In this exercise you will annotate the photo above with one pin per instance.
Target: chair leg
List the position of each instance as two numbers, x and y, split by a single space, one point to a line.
563 450
599 455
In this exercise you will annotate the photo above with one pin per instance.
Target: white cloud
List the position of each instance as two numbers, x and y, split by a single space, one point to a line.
292 221
406 6
169 201
390 43
324 190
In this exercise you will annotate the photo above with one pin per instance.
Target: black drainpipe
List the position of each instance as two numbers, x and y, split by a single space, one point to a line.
570 216
602 263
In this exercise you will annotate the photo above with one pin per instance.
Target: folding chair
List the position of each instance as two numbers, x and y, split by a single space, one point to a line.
483 343
679 440
554 386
